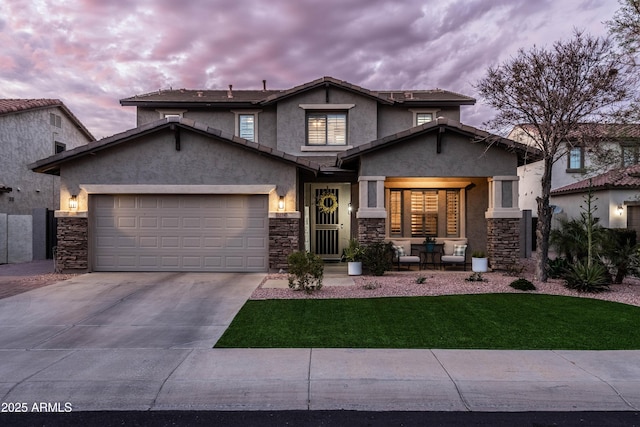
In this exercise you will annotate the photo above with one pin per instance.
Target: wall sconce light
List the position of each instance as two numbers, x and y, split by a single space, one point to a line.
281 203
620 210
349 208
73 202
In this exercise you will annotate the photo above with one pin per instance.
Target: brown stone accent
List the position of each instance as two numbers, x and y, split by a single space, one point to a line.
73 245
371 230
284 238
503 242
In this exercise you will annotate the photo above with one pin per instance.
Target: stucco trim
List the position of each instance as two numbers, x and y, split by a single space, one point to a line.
324 148
286 215
176 189
503 213
371 213
71 214
326 106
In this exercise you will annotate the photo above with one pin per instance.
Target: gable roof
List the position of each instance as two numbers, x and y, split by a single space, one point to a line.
620 179
592 131
51 165
524 152
13 106
199 98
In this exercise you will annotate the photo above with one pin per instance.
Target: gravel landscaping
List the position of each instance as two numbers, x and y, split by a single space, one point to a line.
397 284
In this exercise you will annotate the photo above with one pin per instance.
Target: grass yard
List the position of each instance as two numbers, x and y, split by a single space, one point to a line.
486 321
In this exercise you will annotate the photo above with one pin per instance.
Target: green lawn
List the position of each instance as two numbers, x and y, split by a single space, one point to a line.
487 321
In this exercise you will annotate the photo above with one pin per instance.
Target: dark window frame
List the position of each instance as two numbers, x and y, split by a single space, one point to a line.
326 113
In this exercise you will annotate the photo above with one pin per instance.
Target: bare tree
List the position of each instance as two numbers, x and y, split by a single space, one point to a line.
625 27
552 91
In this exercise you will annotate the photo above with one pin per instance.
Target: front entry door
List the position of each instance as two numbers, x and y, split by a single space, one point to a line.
330 219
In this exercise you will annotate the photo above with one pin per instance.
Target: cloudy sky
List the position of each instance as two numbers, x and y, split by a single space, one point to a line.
92 53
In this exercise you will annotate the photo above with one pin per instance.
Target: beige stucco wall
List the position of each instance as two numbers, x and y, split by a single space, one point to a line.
153 160
606 203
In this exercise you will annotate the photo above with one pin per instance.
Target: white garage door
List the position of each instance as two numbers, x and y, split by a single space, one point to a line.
179 232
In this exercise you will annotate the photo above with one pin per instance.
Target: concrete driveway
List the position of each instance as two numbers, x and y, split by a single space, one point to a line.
125 310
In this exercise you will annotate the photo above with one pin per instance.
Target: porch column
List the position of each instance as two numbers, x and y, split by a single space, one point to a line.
284 238
371 214
73 243
503 222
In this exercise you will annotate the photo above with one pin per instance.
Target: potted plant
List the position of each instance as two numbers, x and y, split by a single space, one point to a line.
479 262
353 254
430 243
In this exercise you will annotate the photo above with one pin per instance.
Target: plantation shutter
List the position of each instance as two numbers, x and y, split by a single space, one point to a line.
424 213
395 207
453 203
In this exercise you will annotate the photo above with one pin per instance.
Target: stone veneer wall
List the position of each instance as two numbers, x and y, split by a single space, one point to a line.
73 244
503 242
284 238
371 230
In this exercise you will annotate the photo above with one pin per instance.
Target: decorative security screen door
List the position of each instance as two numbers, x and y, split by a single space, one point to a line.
330 221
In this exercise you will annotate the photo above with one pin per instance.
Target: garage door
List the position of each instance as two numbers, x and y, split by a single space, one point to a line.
633 219
179 232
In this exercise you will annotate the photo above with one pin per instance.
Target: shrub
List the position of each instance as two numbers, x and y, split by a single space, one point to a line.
354 252
587 278
305 271
371 285
377 257
476 277
522 285
478 254
619 252
420 280
557 268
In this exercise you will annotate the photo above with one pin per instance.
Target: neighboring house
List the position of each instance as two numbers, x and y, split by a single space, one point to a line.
232 180
618 144
616 197
31 129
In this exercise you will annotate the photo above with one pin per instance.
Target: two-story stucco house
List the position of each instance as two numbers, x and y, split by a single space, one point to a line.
235 180
613 180
31 129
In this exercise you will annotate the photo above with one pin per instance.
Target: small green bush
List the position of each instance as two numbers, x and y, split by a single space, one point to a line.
377 258
306 271
522 285
585 278
420 280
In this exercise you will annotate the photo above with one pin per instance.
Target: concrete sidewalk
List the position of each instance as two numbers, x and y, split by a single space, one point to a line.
318 379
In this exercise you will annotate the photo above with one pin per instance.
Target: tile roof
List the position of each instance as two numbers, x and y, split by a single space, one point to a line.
265 97
12 106
598 130
621 178
51 164
8 106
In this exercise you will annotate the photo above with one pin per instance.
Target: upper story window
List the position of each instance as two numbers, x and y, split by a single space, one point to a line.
246 124
422 116
55 120
171 113
327 128
630 155
575 160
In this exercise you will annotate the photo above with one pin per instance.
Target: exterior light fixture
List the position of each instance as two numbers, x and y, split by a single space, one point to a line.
73 202
281 203
620 210
349 208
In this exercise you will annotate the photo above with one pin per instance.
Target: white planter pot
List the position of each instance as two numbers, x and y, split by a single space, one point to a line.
355 268
480 265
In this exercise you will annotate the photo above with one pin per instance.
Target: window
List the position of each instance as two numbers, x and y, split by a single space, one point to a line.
576 159
630 155
424 212
60 147
422 118
246 126
55 120
327 128
171 113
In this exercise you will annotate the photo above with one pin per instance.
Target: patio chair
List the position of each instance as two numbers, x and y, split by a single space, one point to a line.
454 252
404 255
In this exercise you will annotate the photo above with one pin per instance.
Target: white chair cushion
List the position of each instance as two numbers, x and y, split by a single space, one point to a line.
452 258
409 259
